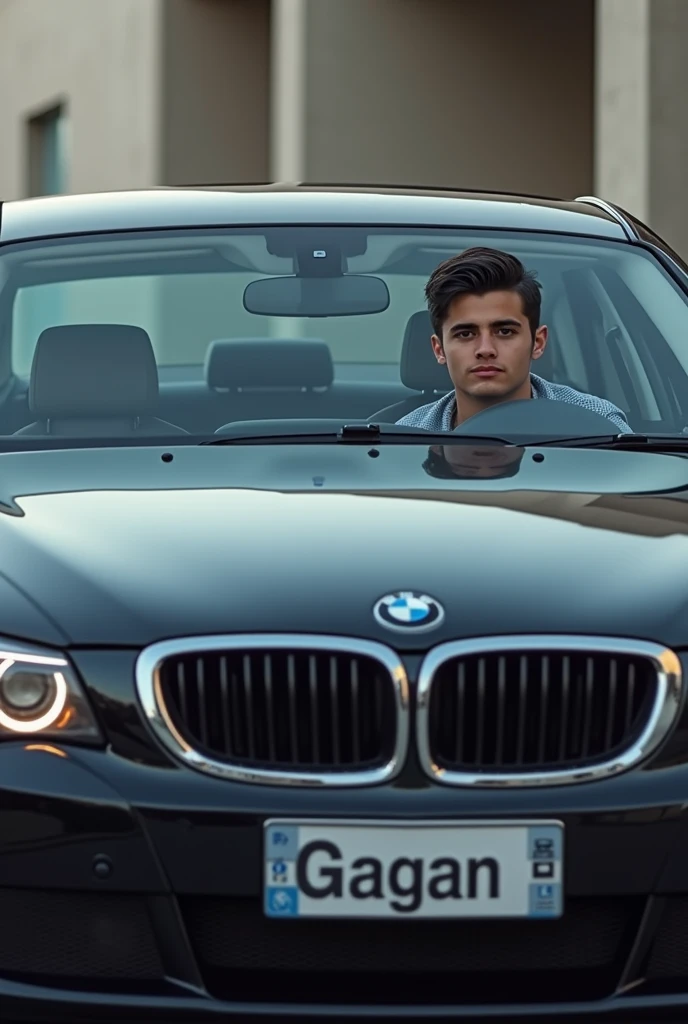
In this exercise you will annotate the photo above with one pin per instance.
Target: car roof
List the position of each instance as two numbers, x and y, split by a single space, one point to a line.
289 203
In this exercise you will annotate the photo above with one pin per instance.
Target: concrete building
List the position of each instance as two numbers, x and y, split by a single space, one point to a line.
561 97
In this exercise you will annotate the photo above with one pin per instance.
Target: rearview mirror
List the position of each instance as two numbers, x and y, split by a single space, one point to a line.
350 295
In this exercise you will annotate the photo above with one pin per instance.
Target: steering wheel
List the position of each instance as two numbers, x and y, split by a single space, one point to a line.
539 418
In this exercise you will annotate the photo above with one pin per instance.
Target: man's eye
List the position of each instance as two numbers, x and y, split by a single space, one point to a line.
506 332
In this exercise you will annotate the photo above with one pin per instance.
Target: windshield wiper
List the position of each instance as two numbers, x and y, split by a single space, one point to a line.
389 433
618 442
357 433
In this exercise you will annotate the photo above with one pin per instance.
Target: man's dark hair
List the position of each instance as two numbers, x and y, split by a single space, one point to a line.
476 272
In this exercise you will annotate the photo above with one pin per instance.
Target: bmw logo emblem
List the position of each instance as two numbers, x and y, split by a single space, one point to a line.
408 611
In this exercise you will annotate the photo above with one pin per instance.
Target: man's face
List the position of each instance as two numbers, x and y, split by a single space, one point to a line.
487 346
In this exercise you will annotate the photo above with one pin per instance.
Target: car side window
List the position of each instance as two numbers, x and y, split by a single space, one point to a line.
606 371
621 354
568 364
652 364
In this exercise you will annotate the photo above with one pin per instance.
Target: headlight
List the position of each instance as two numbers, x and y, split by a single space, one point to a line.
40 695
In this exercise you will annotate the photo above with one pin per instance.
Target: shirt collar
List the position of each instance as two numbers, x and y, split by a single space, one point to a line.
537 390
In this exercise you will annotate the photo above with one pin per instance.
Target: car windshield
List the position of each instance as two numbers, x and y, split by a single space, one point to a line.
181 334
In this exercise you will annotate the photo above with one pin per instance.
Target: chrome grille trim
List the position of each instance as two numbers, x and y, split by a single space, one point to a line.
662 716
147 676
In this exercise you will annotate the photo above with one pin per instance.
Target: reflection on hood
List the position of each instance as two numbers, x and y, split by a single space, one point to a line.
463 462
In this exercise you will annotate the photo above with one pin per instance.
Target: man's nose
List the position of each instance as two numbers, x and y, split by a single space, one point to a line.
485 345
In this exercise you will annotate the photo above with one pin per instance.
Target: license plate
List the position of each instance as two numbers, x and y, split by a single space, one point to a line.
317 868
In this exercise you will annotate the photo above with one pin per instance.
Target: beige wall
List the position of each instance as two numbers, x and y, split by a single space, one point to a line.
216 83
101 57
288 20
622 123
481 93
641 125
494 94
427 91
668 150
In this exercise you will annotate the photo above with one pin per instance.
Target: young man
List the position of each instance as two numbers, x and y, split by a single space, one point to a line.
485 312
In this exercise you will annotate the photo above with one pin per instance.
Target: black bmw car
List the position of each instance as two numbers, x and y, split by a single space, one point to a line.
304 712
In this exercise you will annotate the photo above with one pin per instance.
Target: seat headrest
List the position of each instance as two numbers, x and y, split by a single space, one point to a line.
419 368
268 363
93 370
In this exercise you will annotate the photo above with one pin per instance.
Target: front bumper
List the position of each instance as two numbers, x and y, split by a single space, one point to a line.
131 890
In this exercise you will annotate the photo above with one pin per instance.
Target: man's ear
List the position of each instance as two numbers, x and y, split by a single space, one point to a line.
539 342
438 349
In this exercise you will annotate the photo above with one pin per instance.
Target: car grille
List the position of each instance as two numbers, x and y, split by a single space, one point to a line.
668 957
509 713
240 951
290 709
69 935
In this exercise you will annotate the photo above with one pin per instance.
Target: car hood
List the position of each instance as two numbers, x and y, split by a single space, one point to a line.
129 565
